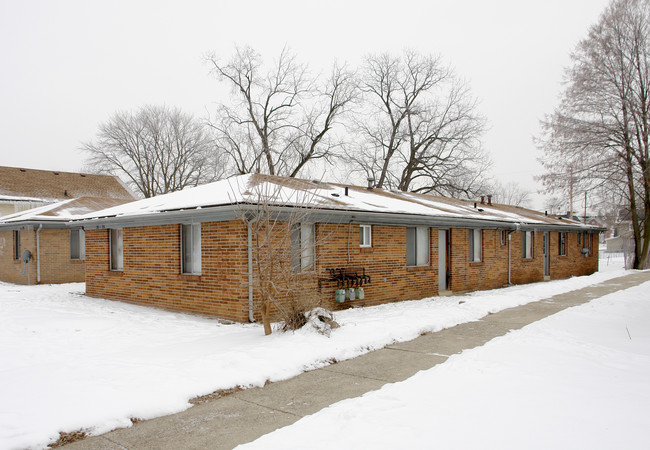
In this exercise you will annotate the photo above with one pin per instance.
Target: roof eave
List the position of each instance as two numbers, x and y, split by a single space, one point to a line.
233 212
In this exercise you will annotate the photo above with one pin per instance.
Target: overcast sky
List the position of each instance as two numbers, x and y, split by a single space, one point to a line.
69 65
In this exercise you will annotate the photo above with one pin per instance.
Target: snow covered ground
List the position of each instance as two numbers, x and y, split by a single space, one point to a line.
578 379
69 362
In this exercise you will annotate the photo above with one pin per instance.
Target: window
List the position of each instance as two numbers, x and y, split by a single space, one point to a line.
504 237
191 248
417 246
588 242
116 250
527 244
475 245
562 243
77 244
365 236
16 244
302 247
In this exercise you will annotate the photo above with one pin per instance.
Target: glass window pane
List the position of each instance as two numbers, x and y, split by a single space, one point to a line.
74 244
295 248
116 250
82 244
477 244
410 247
196 248
422 258
307 246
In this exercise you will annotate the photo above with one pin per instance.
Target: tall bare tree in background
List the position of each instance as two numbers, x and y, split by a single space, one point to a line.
157 149
419 129
510 193
282 118
601 130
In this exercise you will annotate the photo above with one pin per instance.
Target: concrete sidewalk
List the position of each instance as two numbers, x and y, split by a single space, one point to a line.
246 415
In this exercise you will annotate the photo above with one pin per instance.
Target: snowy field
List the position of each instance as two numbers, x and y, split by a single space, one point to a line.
575 380
69 362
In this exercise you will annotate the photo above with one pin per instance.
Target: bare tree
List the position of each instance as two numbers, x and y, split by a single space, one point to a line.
283 243
157 149
419 130
282 118
601 130
510 194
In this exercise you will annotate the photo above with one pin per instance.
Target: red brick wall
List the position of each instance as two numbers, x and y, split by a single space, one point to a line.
491 272
152 266
56 265
10 269
385 262
574 263
152 269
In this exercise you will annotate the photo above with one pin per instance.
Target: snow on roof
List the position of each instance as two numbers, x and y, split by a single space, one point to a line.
62 211
292 192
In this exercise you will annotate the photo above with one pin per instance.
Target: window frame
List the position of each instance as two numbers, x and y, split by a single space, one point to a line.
504 237
116 261
561 242
524 244
417 235
363 242
16 245
195 254
475 233
303 255
80 240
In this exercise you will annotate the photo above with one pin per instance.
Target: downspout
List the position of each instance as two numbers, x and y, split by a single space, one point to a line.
38 253
509 240
510 252
251 317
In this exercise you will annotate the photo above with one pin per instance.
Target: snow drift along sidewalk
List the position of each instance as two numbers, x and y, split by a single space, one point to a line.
577 379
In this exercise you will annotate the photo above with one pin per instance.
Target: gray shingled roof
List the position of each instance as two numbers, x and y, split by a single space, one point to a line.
18 184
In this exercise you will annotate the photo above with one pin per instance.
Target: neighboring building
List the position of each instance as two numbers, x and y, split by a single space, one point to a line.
189 250
57 251
22 189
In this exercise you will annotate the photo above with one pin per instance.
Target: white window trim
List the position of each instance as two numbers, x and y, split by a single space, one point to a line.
363 243
195 253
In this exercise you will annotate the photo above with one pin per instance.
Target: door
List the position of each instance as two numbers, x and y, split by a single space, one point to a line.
547 262
444 260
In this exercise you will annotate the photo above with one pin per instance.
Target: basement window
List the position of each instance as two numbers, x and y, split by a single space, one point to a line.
417 246
475 245
116 249
16 244
302 247
527 244
365 236
562 243
191 249
77 244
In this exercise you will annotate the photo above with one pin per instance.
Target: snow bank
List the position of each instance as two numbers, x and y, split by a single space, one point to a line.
71 362
578 379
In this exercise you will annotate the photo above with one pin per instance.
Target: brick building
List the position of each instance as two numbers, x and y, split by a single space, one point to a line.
191 250
57 251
